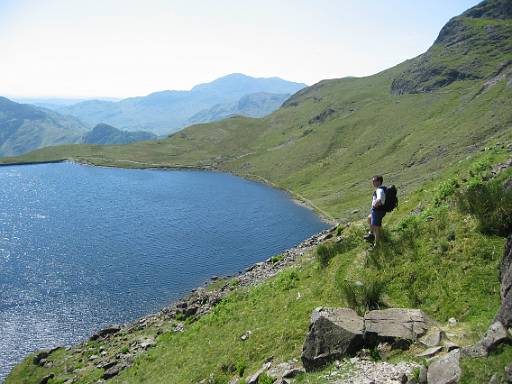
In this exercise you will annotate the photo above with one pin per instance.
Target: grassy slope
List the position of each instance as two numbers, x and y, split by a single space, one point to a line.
416 140
418 265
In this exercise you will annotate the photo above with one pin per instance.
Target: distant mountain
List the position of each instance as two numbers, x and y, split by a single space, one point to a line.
168 111
252 105
25 127
54 103
106 134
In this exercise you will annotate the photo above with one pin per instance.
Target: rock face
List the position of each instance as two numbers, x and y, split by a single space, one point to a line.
407 324
445 369
505 312
339 332
463 39
333 333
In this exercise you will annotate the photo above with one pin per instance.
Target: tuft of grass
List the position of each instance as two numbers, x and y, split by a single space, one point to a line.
491 203
363 297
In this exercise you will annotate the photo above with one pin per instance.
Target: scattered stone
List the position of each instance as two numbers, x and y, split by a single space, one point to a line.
93 357
452 322
111 372
291 373
254 378
47 378
433 338
246 335
422 377
407 324
450 346
445 369
495 335
430 352
40 356
105 333
333 333
180 327
147 343
508 374
494 379
355 211
106 365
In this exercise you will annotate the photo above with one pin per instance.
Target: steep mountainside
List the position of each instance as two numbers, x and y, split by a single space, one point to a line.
24 128
106 134
167 111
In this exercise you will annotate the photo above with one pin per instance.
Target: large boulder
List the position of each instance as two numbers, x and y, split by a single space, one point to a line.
333 333
445 369
392 323
505 312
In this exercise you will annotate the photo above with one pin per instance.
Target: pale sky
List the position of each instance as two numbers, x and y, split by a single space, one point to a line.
122 48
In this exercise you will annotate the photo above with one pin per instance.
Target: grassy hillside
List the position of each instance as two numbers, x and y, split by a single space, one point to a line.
329 139
435 258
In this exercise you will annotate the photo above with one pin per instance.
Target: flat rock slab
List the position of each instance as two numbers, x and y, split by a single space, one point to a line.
408 324
445 369
430 352
333 333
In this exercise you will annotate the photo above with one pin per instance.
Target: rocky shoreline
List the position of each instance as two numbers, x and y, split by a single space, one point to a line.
173 318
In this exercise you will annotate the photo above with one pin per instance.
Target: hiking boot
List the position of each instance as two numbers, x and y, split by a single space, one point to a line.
370 237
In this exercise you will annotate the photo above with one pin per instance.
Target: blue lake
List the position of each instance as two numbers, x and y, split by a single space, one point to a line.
84 247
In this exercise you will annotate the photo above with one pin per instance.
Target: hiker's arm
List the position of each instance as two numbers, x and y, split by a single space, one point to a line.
378 201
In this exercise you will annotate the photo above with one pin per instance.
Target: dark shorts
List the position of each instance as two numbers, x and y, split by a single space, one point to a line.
377 216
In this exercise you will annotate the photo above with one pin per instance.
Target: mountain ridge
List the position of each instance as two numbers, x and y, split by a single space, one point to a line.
167 111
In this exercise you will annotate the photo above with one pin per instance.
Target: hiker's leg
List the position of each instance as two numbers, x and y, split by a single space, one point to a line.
370 221
377 231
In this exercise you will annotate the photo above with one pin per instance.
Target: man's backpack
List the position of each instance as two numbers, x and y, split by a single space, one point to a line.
391 200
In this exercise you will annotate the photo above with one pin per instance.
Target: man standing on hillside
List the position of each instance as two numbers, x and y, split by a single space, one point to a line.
377 212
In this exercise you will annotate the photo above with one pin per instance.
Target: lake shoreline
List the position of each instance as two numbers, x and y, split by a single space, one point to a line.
296 198
142 333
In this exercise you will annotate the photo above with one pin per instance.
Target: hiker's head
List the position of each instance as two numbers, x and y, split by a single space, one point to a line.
377 180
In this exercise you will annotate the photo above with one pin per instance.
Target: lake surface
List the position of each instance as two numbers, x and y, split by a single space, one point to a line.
84 247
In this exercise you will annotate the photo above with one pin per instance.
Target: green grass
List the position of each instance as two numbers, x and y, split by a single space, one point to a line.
417 266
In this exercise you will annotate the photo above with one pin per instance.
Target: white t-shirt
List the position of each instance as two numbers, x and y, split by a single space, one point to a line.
379 194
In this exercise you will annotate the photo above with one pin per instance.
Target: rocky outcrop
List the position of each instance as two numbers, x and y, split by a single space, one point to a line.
338 332
495 335
505 313
333 333
396 323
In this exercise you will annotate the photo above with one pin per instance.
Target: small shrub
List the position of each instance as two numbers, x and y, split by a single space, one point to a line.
445 189
275 259
491 204
339 230
324 254
363 297
265 379
240 367
286 280
326 251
